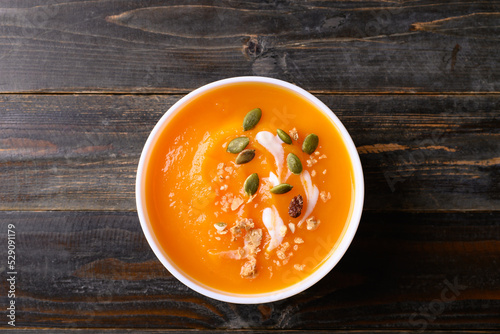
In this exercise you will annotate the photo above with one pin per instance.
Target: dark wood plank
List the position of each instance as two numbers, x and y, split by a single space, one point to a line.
269 331
404 271
324 46
418 152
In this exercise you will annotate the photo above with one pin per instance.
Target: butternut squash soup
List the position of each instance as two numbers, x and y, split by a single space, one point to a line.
249 188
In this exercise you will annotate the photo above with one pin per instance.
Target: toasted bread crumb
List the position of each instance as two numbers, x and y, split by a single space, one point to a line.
236 203
284 246
325 196
253 238
249 268
298 240
311 161
281 255
226 201
283 230
299 267
241 253
244 223
312 223
235 232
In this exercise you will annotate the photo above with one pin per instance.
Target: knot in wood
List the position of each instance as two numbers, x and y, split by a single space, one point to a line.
252 47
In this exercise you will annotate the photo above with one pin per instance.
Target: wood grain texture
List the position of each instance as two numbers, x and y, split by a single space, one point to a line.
243 331
404 271
323 46
275 331
80 152
416 83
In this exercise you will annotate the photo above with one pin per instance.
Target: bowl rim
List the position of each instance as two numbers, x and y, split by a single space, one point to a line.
324 268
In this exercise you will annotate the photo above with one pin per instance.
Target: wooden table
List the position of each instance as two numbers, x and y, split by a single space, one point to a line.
416 83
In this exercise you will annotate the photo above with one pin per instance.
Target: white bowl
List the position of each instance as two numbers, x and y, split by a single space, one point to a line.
307 282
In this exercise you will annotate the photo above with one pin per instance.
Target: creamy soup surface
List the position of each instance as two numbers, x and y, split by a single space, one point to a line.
209 214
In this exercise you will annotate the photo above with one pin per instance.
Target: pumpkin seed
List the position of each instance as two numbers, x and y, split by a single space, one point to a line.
221 227
294 164
251 119
245 156
251 184
310 143
284 136
237 145
281 188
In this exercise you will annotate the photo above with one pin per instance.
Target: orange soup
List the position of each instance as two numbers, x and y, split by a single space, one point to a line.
256 214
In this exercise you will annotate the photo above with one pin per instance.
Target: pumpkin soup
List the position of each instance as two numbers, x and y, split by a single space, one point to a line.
249 188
